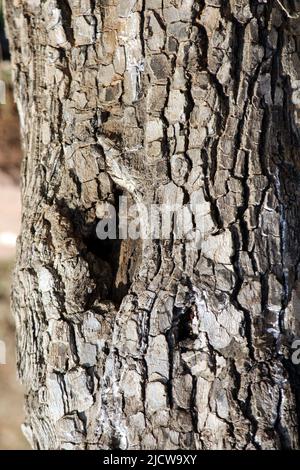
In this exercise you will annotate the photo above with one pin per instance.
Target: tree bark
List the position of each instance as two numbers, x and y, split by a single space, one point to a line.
158 344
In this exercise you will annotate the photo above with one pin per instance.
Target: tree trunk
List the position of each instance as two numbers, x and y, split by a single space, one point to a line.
158 343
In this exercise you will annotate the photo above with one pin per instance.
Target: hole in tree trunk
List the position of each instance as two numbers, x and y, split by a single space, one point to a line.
112 262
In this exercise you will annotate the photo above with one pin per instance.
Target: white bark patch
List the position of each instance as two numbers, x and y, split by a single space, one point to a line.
46 281
125 7
130 386
84 30
155 39
56 32
222 326
157 358
87 354
182 390
202 396
129 38
218 248
154 130
176 105
79 396
156 397
55 400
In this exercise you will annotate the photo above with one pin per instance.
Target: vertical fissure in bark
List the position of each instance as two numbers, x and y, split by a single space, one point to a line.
66 12
237 288
238 50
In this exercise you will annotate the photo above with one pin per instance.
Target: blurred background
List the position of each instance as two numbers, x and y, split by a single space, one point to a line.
11 396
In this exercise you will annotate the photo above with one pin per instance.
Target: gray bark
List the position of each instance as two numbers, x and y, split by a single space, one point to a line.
154 345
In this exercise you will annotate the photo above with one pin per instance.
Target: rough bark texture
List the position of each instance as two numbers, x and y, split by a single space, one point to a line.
153 344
